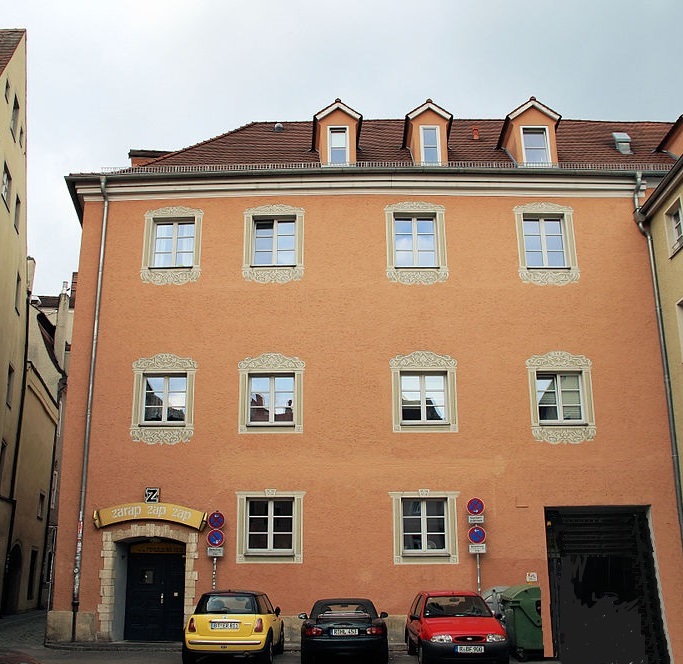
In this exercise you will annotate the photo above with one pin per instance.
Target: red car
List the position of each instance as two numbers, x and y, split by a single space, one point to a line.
455 626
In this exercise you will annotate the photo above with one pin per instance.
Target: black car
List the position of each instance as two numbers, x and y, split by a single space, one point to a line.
344 626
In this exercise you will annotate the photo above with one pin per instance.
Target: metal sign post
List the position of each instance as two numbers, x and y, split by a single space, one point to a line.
476 534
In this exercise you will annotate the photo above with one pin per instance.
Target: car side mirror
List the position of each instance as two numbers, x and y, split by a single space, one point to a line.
277 611
303 616
499 616
384 614
414 616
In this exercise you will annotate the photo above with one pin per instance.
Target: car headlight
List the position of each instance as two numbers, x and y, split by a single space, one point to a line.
495 638
442 638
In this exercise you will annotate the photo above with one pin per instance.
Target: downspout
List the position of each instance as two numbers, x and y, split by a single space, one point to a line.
640 221
75 602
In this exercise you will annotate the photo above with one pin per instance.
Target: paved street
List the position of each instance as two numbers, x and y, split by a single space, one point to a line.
22 637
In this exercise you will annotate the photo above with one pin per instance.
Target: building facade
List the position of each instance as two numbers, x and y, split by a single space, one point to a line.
341 339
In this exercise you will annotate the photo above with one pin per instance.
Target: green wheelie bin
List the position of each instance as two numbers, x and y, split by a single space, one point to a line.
522 611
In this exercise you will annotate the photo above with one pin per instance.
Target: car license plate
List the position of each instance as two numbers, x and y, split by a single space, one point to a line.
224 624
339 631
470 649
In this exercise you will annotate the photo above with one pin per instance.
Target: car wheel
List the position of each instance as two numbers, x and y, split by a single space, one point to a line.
521 655
280 647
188 656
422 656
412 650
267 654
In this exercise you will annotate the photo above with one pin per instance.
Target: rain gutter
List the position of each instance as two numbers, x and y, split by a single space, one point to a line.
645 230
75 602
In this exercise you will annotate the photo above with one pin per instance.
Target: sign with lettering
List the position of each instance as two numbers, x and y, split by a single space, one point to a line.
150 511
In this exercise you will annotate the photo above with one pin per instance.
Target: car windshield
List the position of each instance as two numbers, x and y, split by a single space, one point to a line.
328 608
227 604
456 605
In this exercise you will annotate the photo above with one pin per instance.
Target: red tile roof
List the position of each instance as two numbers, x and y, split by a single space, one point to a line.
580 142
9 40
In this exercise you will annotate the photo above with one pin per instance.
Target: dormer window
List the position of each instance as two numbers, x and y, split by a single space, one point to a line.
535 142
622 142
429 145
338 142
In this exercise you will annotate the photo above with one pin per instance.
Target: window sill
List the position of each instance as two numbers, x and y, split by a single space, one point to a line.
417 275
162 276
563 433
162 434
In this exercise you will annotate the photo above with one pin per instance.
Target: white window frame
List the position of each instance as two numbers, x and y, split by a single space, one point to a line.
270 365
548 276
424 362
536 130
562 431
424 146
164 433
338 130
411 275
674 226
246 555
272 273
177 275
425 556
6 187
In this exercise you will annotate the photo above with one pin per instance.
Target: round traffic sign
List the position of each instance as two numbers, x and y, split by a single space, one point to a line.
475 506
216 519
476 535
215 537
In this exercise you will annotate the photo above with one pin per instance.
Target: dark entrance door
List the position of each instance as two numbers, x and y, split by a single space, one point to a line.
155 592
604 600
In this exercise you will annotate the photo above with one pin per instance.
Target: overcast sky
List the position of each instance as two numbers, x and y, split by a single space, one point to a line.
105 76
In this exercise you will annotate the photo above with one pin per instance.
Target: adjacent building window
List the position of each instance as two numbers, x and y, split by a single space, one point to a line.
425 527
429 145
535 143
9 393
271 394
40 514
416 243
424 392
547 250
17 213
7 91
171 248
338 146
269 527
18 296
561 397
675 226
273 244
163 399
6 188
14 122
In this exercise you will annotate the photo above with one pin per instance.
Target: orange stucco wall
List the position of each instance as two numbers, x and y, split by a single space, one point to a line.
346 320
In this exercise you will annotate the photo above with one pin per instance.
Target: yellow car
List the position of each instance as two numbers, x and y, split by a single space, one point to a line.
234 622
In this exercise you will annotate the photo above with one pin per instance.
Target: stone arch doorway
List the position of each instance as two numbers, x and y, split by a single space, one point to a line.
152 557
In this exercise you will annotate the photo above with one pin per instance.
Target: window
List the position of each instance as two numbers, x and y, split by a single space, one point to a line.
675 226
17 295
269 526
535 142
271 393
41 505
171 248
416 243
163 399
273 244
429 145
3 456
14 122
424 527
338 143
7 91
10 386
423 392
17 213
6 185
561 398
547 250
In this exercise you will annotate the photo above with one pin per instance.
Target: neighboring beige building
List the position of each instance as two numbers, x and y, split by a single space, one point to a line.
661 221
31 377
